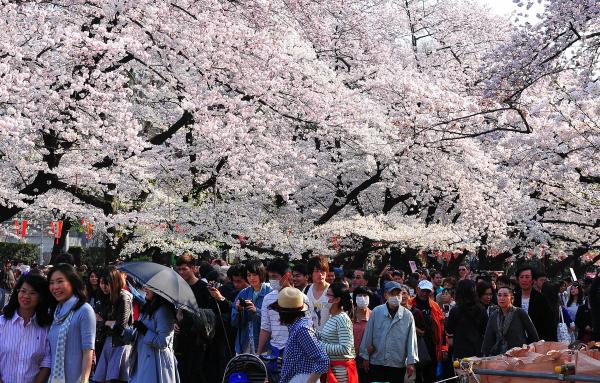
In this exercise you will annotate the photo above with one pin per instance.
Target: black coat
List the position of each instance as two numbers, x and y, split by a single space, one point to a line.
468 328
595 304
583 318
541 314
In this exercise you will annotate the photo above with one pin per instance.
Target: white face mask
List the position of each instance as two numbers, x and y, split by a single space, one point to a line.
362 301
394 301
274 284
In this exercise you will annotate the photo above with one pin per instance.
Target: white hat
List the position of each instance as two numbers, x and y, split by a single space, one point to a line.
425 285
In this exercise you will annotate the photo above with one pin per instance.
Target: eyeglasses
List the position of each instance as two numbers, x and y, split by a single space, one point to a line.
462 269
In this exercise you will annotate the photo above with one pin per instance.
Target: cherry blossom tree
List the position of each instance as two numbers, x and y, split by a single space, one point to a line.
272 126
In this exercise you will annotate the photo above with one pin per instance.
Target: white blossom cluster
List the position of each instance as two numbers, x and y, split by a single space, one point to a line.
431 124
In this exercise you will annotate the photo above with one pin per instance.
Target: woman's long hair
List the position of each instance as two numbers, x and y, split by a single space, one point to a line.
45 303
550 292
76 283
91 292
340 290
466 299
151 306
579 296
115 282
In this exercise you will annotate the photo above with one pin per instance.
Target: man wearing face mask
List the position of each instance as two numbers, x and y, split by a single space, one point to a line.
434 329
390 352
273 335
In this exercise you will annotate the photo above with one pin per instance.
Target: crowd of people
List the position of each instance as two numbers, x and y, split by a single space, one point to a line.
308 321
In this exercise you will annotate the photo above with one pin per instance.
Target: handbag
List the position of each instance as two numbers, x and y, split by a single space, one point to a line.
562 331
423 352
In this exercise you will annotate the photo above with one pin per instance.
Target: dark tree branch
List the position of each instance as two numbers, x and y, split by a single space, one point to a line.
161 138
337 206
390 201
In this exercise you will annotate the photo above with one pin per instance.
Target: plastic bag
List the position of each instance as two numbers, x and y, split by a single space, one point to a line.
588 362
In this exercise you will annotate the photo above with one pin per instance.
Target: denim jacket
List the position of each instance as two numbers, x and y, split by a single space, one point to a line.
394 338
243 320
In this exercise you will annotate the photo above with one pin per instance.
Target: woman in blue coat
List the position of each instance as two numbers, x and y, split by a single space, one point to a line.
153 356
245 315
73 331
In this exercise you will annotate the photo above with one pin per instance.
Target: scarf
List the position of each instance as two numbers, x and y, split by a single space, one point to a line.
64 320
503 325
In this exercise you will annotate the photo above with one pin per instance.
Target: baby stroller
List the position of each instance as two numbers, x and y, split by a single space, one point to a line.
245 368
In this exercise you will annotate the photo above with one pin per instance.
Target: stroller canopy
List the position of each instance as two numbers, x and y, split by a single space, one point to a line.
251 365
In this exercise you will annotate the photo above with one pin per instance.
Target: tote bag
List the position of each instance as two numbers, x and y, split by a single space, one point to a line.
424 356
562 331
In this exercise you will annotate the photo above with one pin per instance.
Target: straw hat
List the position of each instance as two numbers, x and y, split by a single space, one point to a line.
289 299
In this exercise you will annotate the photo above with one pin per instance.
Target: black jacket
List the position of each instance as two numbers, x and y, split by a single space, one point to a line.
467 325
595 304
521 331
541 315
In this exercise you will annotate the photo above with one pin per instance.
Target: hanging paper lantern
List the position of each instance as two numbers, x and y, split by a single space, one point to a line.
56 230
21 228
336 245
88 233
87 228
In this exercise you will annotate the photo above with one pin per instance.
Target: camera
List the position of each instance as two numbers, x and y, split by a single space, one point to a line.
242 302
214 284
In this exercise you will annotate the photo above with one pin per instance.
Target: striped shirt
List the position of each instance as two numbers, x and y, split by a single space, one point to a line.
337 337
24 349
269 321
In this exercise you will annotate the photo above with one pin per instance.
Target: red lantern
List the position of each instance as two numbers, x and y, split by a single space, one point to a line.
336 245
56 230
21 228
87 228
